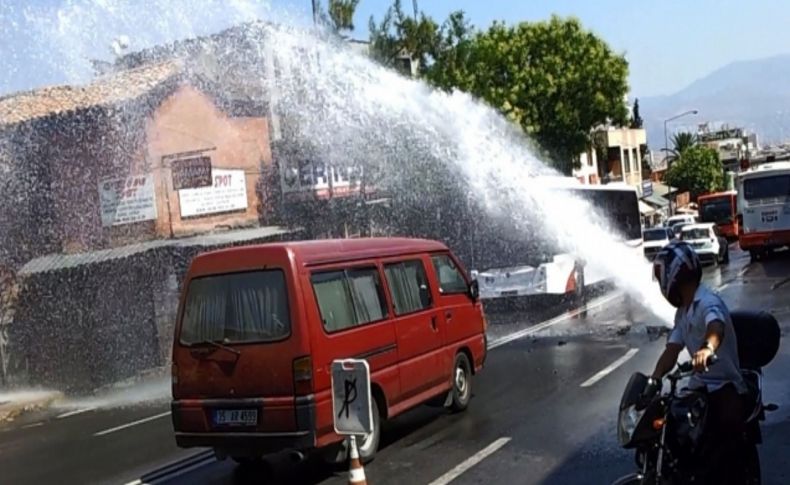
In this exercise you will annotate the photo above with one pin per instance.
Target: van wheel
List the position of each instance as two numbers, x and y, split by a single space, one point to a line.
462 383
369 444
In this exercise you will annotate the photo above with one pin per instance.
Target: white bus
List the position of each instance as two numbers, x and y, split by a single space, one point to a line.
564 274
764 208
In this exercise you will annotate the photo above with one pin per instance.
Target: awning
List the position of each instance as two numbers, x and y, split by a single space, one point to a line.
54 262
656 201
646 209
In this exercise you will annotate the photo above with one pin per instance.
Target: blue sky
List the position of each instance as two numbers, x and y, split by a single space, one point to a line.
668 43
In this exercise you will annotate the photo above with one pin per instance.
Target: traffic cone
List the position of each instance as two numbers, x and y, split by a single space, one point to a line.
356 474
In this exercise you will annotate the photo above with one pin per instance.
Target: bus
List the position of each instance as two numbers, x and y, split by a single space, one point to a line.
561 273
721 208
764 204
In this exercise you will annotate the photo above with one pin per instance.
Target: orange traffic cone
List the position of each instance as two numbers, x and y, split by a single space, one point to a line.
356 474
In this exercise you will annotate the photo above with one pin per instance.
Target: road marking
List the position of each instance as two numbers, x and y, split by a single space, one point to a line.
33 425
74 412
723 287
129 425
554 321
470 462
610 368
175 469
743 271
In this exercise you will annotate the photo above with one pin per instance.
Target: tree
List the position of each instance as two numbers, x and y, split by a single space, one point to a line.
341 14
400 35
555 79
698 170
680 143
636 119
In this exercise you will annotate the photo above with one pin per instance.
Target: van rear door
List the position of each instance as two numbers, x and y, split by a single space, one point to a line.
237 340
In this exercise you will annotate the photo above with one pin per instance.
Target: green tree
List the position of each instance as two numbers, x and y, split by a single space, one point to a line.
698 170
341 14
399 35
636 118
555 79
680 143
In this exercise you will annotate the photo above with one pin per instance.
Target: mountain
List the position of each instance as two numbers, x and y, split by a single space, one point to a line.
751 94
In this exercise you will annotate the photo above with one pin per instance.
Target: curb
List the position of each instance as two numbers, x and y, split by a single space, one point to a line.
28 401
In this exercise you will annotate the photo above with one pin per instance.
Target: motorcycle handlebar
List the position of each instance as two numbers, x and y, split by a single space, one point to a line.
686 367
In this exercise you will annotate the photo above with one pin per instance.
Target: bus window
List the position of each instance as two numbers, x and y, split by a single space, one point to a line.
767 187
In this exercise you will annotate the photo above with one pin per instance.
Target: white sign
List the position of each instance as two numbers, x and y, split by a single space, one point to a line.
320 179
351 403
127 200
229 193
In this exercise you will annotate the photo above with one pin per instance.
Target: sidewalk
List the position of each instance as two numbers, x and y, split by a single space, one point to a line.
12 404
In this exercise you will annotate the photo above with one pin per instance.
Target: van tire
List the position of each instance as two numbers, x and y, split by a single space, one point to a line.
461 392
369 445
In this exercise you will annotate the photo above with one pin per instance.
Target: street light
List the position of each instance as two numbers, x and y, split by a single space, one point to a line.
666 148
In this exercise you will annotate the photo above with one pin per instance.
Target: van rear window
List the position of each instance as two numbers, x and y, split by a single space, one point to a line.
236 307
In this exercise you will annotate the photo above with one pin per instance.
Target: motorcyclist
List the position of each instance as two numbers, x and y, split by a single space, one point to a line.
704 327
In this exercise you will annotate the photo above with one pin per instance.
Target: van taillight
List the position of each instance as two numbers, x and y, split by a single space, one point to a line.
303 375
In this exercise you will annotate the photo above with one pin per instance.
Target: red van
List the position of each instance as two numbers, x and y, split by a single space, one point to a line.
259 326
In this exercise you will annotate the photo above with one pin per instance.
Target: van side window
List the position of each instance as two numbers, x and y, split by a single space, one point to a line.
409 286
450 278
348 298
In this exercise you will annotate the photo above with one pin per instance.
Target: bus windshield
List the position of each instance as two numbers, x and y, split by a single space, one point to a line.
767 187
717 210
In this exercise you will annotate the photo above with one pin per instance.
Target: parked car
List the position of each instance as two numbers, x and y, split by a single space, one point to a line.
707 242
259 327
654 239
680 219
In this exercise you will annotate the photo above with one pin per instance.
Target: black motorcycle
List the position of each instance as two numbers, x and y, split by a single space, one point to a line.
667 432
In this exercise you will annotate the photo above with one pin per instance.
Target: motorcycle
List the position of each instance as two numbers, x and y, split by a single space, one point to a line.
667 432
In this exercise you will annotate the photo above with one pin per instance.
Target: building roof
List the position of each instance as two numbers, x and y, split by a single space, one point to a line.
106 90
55 262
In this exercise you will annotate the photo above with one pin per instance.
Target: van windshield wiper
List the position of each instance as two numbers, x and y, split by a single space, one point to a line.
217 345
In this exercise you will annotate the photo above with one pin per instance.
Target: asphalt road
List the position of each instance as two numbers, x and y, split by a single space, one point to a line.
543 412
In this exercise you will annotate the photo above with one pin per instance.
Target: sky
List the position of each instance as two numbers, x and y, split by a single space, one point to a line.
668 43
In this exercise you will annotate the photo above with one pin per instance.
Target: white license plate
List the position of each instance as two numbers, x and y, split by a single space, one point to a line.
236 417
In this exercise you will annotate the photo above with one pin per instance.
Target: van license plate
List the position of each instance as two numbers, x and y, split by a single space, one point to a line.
236 417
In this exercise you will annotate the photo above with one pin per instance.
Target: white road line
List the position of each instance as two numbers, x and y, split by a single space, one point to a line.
723 287
32 425
609 368
549 323
129 425
743 271
74 412
470 462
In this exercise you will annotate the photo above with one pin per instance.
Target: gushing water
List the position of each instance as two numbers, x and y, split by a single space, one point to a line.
424 146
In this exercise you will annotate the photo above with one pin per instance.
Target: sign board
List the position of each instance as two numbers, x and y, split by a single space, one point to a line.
351 398
191 173
321 180
647 188
227 193
127 200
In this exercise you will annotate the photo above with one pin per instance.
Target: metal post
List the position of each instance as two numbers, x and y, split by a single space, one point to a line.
666 151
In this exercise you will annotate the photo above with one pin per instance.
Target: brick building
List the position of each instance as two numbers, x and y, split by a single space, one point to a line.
94 228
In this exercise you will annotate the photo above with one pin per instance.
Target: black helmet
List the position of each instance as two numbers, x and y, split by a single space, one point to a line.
675 264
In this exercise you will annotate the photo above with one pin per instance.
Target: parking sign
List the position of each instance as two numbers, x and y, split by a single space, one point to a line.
351 405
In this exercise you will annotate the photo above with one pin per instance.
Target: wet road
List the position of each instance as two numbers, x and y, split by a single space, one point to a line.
543 412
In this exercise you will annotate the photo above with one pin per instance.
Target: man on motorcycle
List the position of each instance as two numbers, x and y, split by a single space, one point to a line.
703 326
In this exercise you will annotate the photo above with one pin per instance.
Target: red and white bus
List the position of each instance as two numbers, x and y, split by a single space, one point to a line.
764 204
720 208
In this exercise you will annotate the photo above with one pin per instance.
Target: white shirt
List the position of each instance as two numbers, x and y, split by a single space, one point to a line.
691 325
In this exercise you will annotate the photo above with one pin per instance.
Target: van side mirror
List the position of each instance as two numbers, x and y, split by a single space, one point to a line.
474 290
